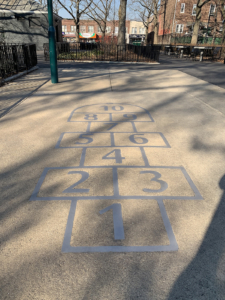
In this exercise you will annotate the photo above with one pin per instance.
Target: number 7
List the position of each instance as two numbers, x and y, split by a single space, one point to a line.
113 125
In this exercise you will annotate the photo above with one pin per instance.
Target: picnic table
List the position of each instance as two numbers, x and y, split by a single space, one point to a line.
183 50
201 51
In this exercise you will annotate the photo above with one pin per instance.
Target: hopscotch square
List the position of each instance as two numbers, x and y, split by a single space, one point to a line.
68 183
81 140
145 226
112 127
145 139
84 117
127 117
114 156
156 183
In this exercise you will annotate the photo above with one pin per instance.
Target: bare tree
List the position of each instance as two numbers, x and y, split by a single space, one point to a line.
122 22
199 6
157 4
148 11
99 12
76 8
144 10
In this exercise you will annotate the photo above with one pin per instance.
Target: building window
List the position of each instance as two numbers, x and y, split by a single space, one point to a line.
179 28
72 28
64 28
194 10
83 29
90 29
212 10
134 30
108 29
116 30
99 29
142 30
182 8
34 22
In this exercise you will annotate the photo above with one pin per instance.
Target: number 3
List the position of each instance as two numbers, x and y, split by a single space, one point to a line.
163 184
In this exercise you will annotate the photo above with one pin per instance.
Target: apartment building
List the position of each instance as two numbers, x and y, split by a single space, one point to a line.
137 32
90 30
178 16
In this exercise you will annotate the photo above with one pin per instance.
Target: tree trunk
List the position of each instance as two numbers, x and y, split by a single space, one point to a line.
222 3
122 22
146 30
155 21
103 32
194 39
215 27
146 36
78 24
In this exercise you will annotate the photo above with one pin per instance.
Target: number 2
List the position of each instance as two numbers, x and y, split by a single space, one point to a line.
84 177
163 184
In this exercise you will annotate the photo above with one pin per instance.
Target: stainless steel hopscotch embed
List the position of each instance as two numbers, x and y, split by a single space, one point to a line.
113 149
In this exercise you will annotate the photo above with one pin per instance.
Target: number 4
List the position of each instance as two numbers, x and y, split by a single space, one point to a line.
117 156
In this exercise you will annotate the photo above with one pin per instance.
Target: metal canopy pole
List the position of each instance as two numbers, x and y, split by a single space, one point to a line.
52 45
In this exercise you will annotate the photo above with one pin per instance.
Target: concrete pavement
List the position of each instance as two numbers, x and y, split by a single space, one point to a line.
124 169
12 93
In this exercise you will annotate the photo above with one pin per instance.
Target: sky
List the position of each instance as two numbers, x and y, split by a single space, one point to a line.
130 15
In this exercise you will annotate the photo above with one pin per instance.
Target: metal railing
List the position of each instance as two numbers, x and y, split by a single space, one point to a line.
104 52
196 52
185 38
16 58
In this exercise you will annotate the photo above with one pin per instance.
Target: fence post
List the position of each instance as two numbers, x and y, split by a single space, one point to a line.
52 45
26 56
15 58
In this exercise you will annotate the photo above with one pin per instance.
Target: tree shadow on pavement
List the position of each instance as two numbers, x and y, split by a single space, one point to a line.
204 278
42 271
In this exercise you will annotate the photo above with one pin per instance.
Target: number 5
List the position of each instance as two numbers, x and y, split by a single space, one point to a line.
163 184
85 136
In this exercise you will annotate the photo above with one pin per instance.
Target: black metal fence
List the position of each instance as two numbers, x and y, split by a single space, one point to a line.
104 52
195 52
16 58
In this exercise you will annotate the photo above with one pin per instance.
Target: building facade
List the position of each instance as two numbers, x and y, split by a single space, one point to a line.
90 30
178 16
26 21
137 32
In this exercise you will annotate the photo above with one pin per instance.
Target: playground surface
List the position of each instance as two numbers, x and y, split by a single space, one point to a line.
112 187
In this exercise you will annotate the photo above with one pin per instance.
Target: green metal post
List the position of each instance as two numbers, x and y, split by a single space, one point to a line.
52 45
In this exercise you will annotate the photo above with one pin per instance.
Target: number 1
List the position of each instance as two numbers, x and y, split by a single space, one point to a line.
117 220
